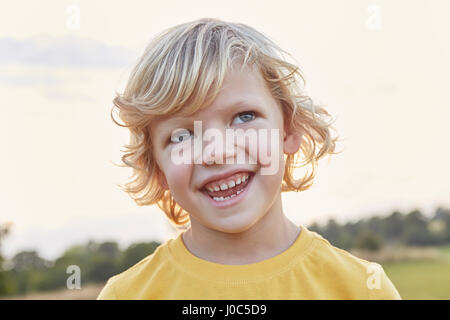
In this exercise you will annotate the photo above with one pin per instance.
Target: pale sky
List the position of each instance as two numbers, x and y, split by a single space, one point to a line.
380 67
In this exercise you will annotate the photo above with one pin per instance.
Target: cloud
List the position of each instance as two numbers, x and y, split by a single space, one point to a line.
69 51
28 79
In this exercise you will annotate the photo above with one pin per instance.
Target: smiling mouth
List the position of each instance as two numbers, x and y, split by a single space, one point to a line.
223 195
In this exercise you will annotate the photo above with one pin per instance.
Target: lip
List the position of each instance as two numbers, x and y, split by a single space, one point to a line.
232 201
223 176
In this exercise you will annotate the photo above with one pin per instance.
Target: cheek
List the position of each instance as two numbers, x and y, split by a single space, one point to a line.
268 150
263 144
268 187
178 177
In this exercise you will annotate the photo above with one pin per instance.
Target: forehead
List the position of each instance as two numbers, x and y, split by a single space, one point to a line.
245 88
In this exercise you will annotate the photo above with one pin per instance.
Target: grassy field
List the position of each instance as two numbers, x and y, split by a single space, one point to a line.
87 292
422 279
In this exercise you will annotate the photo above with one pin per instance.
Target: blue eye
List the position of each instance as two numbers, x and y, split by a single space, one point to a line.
180 135
246 116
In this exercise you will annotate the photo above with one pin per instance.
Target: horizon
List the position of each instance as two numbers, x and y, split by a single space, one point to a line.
124 241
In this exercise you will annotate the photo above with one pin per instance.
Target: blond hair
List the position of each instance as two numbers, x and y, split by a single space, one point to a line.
181 71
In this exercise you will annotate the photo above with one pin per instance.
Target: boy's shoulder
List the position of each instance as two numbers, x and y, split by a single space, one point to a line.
349 272
333 257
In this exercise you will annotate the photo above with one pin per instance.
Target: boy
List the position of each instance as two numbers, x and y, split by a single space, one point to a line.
208 78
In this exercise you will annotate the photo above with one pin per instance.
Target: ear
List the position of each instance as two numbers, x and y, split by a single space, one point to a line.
162 179
291 141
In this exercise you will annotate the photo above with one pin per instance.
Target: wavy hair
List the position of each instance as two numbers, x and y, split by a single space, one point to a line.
181 71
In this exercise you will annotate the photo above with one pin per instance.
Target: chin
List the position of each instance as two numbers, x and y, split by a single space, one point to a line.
234 224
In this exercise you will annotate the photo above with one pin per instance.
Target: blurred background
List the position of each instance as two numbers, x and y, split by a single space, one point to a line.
380 67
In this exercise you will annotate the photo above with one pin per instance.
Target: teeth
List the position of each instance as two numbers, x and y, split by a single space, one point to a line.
222 198
229 184
226 198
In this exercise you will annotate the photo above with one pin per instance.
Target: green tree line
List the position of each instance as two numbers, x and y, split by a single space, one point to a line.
411 229
28 272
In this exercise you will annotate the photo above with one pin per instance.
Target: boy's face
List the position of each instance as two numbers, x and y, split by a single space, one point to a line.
189 181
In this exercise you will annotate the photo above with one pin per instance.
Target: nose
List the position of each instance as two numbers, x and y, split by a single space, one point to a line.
218 147
215 145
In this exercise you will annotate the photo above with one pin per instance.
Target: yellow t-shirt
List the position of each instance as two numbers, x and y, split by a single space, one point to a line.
311 268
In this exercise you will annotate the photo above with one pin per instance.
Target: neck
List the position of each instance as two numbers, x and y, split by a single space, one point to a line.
246 247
